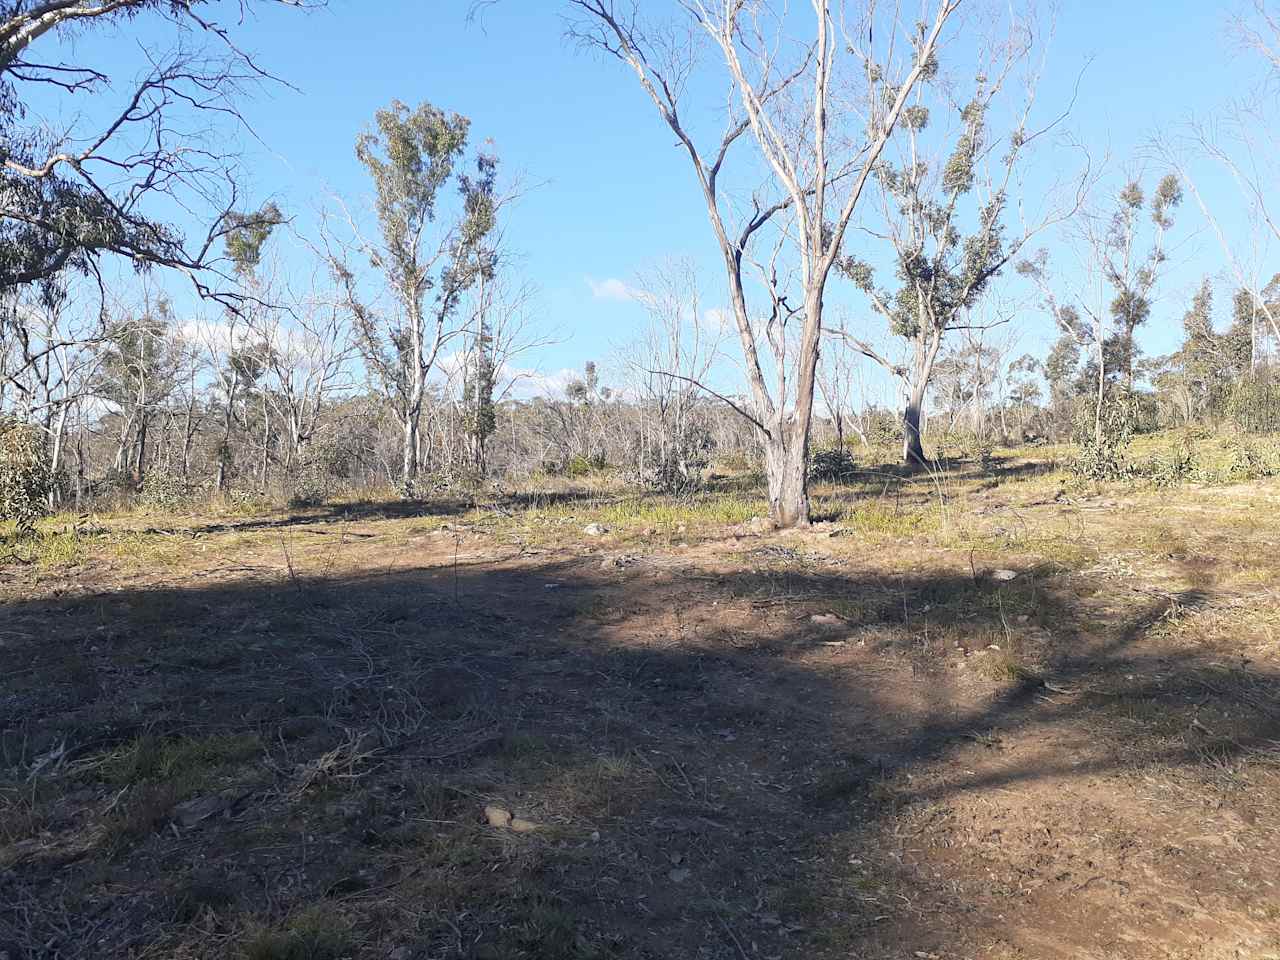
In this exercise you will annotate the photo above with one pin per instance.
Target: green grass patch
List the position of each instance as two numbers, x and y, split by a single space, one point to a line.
152 759
313 934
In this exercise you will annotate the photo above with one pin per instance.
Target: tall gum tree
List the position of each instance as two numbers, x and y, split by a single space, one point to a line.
819 112
428 255
946 194
1123 253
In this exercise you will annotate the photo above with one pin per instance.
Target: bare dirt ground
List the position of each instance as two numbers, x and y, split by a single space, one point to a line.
278 737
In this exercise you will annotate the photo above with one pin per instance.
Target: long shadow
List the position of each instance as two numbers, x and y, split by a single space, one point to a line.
373 510
702 784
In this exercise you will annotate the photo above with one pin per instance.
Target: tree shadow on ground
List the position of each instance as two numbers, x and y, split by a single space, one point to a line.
397 509
711 771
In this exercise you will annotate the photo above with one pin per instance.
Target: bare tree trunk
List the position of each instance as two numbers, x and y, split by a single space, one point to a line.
912 447
409 453
228 416
1102 394
80 470
786 458
55 458
266 443
141 452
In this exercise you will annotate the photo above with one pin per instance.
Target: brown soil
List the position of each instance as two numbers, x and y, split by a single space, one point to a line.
278 746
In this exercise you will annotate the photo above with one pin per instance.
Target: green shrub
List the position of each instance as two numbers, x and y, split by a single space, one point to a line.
164 491
25 478
832 466
581 466
1170 469
1254 404
1102 457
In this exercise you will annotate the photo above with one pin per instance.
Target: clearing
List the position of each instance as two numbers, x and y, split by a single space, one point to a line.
971 716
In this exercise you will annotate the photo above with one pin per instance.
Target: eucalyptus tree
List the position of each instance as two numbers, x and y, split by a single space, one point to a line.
236 356
1023 376
946 192
428 256
50 365
305 355
501 328
94 158
139 362
1123 253
819 112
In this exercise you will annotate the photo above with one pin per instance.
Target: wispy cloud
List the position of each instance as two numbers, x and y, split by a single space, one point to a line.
611 289
528 384
514 383
716 319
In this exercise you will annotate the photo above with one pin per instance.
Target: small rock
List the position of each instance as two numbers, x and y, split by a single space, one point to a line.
497 816
679 875
1004 574
520 825
595 529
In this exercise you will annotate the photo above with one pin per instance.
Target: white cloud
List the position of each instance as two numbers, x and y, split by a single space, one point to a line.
717 319
218 334
528 384
611 289
221 338
514 383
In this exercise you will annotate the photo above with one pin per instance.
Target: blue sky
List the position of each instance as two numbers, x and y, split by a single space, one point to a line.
615 194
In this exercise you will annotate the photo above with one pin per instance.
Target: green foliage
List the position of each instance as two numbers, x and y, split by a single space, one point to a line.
1102 451
1170 469
164 491
410 158
680 463
314 934
1253 404
246 235
582 466
1250 463
320 473
957 176
832 466
25 478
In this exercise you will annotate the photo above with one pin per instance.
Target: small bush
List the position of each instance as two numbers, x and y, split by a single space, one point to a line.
679 467
581 466
1254 404
164 491
1249 463
309 486
1103 457
25 478
832 466
313 934
1171 469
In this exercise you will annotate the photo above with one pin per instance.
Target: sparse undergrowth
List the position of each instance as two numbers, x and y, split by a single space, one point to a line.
964 696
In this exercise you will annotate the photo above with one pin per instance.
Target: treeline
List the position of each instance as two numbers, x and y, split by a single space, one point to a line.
867 205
